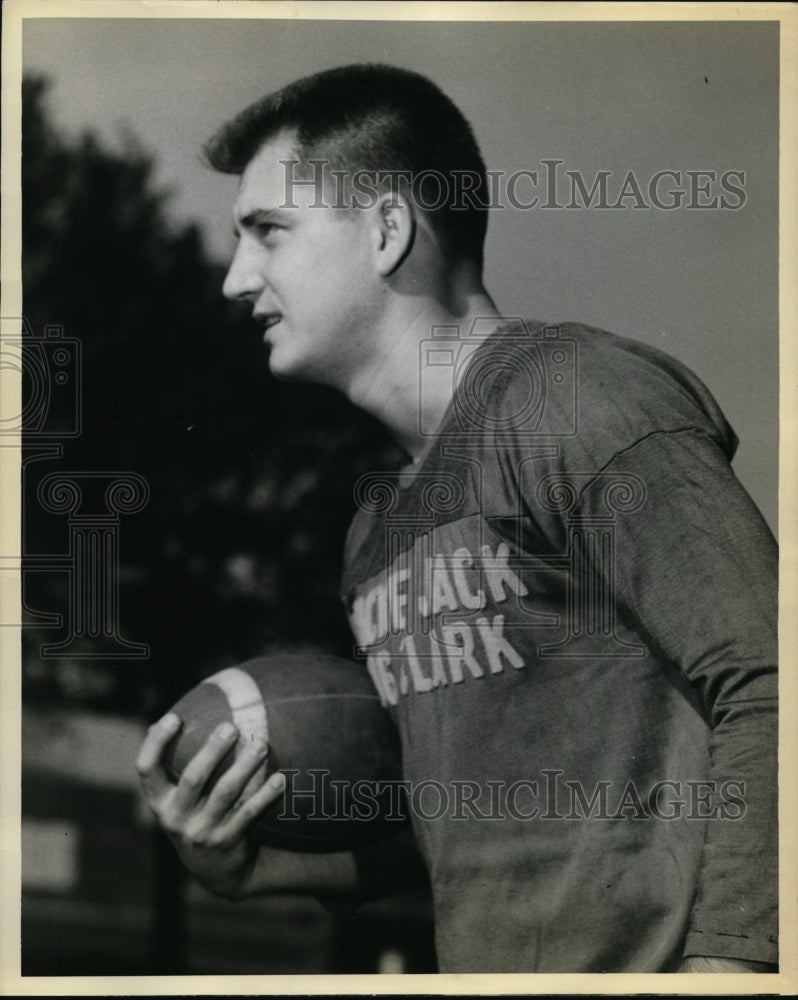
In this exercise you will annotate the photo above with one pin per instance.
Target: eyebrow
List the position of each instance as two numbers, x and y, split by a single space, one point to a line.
257 217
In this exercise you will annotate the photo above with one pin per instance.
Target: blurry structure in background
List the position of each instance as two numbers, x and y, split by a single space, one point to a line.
236 552
89 871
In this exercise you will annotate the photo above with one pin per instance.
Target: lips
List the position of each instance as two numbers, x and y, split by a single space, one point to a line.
268 321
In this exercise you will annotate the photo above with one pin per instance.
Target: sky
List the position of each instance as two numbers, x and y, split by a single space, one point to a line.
698 282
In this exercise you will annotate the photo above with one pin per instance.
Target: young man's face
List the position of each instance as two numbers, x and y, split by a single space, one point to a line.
308 272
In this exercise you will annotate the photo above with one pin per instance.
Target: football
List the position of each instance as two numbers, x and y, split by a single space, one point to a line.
326 731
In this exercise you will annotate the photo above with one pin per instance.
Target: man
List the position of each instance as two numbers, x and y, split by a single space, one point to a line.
565 599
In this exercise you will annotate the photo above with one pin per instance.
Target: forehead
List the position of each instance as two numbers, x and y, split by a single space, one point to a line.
266 183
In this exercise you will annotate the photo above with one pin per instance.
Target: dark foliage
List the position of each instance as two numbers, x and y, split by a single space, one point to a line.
238 549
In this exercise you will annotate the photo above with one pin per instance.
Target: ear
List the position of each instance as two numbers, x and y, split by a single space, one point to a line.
394 231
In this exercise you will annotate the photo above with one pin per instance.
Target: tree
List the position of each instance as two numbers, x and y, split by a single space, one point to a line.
251 479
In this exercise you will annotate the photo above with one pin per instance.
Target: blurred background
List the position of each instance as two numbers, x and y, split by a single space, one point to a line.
231 547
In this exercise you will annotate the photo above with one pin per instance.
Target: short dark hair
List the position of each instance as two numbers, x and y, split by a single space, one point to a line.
374 117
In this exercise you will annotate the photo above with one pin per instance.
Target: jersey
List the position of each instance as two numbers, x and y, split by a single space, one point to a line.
568 606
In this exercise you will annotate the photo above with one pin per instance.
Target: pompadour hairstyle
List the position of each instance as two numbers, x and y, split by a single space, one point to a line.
371 117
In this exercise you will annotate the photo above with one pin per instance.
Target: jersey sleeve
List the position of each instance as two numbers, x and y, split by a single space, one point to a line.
383 869
694 573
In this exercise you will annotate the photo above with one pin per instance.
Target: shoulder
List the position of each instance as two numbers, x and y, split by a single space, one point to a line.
569 380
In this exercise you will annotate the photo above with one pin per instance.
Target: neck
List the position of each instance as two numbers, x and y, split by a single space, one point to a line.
397 386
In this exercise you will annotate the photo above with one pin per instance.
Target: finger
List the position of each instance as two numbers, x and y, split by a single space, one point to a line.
151 772
258 776
237 782
202 765
252 807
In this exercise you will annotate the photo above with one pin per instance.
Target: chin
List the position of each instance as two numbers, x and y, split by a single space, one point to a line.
290 365
287 368
281 372
280 359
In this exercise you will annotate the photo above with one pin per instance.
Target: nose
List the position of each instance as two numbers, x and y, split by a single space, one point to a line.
243 281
